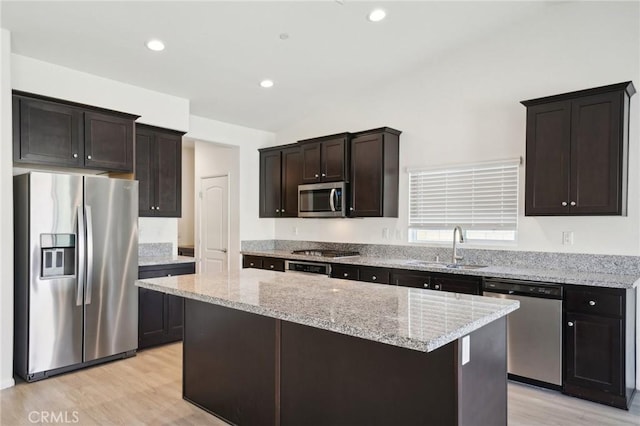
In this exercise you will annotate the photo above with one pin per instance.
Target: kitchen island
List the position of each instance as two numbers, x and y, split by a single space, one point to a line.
263 347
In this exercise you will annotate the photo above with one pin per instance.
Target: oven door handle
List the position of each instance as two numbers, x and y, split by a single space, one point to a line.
331 200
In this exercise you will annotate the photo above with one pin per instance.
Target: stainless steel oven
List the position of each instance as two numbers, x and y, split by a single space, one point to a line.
322 200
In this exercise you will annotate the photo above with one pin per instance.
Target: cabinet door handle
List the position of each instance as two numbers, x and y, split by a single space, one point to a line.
75 155
88 157
271 266
152 208
374 278
346 274
157 208
570 324
564 204
251 264
573 203
277 210
426 285
350 208
282 211
324 174
317 175
592 303
437 286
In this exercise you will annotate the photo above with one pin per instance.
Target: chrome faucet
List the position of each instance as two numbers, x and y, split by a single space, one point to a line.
455 257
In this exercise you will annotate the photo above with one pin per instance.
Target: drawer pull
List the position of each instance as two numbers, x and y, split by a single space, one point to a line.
271 266
374 278
437 286
592 303
346 274
570 324
426 285
251 264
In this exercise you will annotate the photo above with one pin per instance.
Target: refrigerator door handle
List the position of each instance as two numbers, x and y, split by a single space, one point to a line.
81 257
87 299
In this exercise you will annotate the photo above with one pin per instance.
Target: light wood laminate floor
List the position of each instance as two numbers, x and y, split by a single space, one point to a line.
146 389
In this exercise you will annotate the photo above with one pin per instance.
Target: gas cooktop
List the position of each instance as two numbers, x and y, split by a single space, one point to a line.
326 253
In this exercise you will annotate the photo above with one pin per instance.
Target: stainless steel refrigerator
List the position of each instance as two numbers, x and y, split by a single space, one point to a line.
76 260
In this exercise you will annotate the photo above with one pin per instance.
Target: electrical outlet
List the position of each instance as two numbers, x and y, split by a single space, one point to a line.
385 233
295 230
567 237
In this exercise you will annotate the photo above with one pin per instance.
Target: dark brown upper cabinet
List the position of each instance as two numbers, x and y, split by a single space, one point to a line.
374 173
159 171
280 175
325 159
577 145
54 132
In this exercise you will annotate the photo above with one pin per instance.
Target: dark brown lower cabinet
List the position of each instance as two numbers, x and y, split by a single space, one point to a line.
456 283
160 316
599 350
261 262
414 279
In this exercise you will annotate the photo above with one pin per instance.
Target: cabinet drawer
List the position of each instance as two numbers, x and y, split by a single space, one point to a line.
155 271
414 279
374 275
252 262
595 302
456 284
345 272
273 264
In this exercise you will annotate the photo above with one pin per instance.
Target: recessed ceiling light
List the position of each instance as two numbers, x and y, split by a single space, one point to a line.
266 83
377 15
155 45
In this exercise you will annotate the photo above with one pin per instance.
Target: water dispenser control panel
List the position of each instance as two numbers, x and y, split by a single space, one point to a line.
58 255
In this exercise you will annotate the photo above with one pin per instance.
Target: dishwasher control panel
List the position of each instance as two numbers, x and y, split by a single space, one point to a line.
525 288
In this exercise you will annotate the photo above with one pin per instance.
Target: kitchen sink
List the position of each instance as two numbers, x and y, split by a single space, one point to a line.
463 266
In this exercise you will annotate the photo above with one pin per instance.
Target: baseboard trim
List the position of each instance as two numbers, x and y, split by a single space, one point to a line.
7 383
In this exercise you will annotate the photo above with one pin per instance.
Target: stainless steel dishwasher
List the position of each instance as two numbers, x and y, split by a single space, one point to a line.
534 331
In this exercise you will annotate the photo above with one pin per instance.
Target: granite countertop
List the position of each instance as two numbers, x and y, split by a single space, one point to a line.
417 319
567 276
163 260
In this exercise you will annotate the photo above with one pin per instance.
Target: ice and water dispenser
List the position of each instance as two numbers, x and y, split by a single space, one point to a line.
58 255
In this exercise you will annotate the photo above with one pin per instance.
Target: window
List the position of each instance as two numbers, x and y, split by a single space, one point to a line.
482 198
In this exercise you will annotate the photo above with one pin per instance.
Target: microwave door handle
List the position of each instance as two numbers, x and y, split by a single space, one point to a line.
331 200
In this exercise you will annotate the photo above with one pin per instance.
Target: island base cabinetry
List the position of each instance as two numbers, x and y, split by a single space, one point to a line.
250 369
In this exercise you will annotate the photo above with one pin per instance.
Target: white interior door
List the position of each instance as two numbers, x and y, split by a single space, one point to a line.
214 224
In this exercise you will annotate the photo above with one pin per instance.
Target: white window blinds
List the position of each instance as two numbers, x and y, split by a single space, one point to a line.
481 196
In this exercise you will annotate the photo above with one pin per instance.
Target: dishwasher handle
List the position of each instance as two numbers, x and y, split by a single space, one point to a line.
523 288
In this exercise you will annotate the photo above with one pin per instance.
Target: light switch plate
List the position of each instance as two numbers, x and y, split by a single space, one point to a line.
466 350
567 237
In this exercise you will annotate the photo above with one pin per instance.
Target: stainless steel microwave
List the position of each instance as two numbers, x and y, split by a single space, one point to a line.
322 200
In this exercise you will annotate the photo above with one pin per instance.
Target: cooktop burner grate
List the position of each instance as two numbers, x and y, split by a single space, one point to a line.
327 253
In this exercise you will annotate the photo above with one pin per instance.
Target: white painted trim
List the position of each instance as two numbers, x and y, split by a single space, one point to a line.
7 384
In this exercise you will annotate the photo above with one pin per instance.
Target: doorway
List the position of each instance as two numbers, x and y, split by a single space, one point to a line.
213 214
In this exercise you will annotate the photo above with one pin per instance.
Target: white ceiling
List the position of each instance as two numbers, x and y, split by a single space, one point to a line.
217 52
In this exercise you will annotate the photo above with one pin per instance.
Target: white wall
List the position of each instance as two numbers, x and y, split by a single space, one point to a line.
464 106
6 215
185 223
248 141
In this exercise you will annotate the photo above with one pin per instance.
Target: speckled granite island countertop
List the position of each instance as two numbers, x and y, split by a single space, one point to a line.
422 320
163 260
560 276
